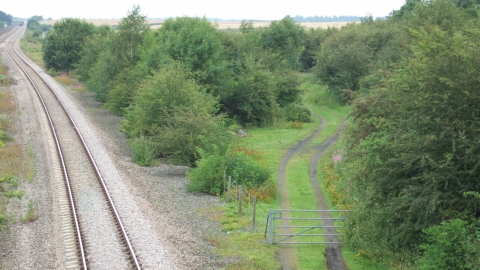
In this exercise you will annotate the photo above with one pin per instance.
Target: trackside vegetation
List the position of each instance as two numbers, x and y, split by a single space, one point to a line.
407 162
15 159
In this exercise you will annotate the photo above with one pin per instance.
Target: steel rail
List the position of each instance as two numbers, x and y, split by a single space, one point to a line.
94 164
60 153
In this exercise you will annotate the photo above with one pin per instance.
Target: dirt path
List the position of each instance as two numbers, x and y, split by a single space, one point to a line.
286 255
333 253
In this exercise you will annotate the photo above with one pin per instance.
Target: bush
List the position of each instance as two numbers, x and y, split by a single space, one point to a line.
143 151
244 169
209 174
297 113
451 245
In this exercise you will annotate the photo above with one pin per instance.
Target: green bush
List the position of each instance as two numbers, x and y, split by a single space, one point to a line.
297 113
186 130
143 151
212 169
246 171
452 245
209 174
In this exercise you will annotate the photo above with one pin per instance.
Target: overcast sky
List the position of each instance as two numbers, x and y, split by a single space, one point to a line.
226 9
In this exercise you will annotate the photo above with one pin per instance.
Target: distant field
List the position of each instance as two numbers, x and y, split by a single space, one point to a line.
236 25
221 25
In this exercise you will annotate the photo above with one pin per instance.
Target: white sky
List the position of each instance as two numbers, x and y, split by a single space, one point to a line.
238 9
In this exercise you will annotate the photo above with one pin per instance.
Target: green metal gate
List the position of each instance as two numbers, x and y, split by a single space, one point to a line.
304 226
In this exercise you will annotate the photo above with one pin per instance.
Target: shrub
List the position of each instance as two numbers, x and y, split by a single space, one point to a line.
208 176
451 245
246 170
143 151
297 113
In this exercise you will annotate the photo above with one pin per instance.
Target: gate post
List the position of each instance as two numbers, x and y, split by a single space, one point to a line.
270 229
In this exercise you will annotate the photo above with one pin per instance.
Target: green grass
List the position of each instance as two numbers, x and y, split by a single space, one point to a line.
302 196
274 143
32 47
249 251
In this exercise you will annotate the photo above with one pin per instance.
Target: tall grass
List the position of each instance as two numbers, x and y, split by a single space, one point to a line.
15 160
32 47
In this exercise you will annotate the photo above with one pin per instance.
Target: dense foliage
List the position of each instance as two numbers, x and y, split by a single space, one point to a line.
63 44
34 25
413 140
177 84
412 143
7 18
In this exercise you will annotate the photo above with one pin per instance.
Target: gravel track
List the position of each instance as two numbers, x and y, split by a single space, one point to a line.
169 227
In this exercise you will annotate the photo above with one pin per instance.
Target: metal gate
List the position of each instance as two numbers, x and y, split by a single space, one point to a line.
304 226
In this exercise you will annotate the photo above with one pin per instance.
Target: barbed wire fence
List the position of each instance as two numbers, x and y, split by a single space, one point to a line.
248 204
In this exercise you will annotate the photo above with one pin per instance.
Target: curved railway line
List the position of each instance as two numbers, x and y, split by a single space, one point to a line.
87 208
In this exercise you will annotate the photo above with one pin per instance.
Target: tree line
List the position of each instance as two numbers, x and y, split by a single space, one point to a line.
185 89
411 165
5 19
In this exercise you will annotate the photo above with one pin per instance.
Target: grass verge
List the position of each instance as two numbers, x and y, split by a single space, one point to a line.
274 142
16 163
32 47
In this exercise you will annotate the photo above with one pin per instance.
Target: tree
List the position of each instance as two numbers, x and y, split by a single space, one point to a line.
108 59
6 18
129 37
126 46
172 110
414 142
254 99
285 37
197 44
312 41
355 56
64 43
406 9
91 50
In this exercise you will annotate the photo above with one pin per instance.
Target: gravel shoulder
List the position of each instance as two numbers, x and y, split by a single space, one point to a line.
38 244
165 216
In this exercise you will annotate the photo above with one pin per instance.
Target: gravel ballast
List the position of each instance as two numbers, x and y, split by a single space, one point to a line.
164 221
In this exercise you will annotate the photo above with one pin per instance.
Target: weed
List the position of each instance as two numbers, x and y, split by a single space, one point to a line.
13 193
64 79
30 215
12 218
6 103
213 239
298 125
143 151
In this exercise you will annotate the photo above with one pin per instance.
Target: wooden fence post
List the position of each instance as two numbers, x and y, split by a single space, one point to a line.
228 189
254 213
240 199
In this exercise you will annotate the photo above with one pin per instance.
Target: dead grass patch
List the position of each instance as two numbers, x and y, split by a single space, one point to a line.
70 81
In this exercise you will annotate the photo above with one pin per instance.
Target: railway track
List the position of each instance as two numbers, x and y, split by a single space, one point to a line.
94 235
